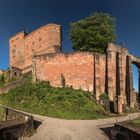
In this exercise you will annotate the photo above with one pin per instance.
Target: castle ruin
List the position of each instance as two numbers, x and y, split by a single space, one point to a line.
46 39
40 52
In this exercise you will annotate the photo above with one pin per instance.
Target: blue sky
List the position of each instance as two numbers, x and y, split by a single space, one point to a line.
18 15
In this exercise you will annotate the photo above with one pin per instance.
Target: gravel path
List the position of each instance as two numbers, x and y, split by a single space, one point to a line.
59 129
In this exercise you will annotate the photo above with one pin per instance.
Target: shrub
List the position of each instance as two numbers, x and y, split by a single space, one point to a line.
104 96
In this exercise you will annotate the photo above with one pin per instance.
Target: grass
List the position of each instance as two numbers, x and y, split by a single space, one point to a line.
41 98
136 122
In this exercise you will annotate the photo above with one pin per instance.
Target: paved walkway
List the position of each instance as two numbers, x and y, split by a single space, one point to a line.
59 129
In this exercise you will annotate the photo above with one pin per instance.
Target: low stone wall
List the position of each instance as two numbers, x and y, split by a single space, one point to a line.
9 86
14 115
125 131
15 123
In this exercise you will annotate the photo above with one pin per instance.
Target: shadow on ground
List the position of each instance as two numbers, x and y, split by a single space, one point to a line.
15 134
107 131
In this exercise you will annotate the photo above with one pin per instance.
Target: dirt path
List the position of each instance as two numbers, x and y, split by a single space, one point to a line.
58 129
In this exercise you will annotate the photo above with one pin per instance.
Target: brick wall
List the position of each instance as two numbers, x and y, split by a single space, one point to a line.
89 71
78 70
46 39
99 74
116 71
40 51
17 50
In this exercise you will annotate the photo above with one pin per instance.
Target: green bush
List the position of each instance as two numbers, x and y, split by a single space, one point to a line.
136 122
104 96
43 99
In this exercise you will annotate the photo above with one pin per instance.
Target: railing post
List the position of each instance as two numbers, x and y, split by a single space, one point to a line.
6 114
1 114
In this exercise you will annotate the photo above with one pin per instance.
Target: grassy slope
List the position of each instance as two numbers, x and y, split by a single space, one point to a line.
136 122
43 99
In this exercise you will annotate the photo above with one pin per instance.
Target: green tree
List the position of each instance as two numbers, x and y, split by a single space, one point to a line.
93 33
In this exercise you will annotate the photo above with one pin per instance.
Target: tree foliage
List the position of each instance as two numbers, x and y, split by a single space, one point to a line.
93 33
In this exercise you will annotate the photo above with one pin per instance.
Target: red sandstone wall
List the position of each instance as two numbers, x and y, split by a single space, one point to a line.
17 50
113 68
123 77
111 73
100 74
77 68
46 39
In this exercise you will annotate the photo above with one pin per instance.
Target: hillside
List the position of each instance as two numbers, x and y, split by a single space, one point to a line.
41 98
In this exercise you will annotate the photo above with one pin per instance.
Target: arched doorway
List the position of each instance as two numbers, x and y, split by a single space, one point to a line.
136 83
132 62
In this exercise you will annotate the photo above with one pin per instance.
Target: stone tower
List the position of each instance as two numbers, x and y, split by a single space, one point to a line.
46 39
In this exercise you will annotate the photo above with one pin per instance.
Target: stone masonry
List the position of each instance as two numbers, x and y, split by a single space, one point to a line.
109 73
77 69
46 39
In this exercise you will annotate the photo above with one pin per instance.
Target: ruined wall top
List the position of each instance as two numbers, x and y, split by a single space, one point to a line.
135 60
26 35
117 48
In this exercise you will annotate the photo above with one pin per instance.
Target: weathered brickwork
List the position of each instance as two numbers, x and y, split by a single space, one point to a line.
111 72
46 39
95 72
76 68
99 74
17 50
